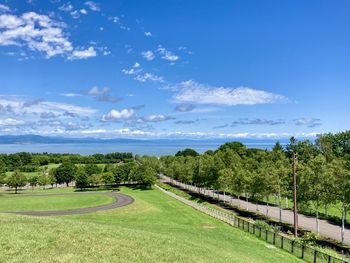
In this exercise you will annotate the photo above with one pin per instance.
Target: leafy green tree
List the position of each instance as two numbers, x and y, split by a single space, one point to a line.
16 180
108 178
313 184
187 152
81 178
91 169
65 173
340 171
33 181
94 179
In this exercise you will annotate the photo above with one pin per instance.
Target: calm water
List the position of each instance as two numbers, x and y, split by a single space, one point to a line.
140 148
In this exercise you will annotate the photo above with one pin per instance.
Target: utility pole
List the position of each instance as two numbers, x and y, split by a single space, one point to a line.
294 156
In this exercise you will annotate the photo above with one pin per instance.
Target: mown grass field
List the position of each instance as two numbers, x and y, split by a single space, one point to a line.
46 203
155 228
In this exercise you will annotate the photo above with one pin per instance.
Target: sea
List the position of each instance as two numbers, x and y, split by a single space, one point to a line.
152 148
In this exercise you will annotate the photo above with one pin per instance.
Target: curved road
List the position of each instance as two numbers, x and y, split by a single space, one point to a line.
119 201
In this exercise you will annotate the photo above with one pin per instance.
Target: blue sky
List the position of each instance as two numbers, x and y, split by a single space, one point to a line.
174 69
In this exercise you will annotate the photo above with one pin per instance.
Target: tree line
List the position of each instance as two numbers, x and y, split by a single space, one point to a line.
31 162
323 172
85 175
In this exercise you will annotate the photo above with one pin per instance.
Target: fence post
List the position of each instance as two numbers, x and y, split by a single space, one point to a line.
282 240
274 238
266 232
292 246
254 229
260 232
302 251
315 256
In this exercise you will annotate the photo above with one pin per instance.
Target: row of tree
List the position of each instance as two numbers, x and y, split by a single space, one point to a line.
85 175
323 171
31 162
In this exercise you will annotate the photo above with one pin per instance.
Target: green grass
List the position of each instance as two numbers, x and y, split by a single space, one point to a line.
45 203
38 173
155 228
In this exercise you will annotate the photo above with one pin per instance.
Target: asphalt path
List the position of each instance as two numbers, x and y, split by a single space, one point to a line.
119 201
327 229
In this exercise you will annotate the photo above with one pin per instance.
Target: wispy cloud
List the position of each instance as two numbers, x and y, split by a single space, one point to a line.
167 55
193 92
93 6
185 107
149 76
148 55
4 8
308 122
246 121
70 94
102 94
157 118
187 122
148 34
83 54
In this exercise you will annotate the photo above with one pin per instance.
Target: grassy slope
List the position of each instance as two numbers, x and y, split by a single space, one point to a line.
156 228
44 203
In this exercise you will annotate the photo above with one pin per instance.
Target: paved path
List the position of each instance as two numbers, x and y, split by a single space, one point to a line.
306 222
119 201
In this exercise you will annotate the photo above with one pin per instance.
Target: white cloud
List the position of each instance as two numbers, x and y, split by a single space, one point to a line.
149 76
157 118
4 8
83 54
193 92
11 122
93 6
148 55
114 19
134 70
309 122
83 11
19 107
70 94
115 115
67 7
167 55
185 107
39 33
148 34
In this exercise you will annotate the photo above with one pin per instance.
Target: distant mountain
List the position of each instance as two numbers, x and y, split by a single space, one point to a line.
36 139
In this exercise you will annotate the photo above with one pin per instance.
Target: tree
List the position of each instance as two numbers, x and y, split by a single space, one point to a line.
340 171
143 174
65 173
81 179
187 152
33 181
17 179
313 184
94 179
108 178
91 169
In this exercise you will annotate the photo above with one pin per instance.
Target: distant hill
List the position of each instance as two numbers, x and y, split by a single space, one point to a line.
36 139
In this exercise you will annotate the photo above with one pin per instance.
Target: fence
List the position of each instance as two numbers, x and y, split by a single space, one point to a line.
300 250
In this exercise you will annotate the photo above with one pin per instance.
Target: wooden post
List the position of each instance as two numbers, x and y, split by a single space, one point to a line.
295 195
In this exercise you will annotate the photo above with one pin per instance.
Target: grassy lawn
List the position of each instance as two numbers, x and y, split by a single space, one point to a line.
32 174
45 203
155 228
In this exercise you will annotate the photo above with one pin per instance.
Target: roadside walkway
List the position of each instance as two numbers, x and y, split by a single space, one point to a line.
306 222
